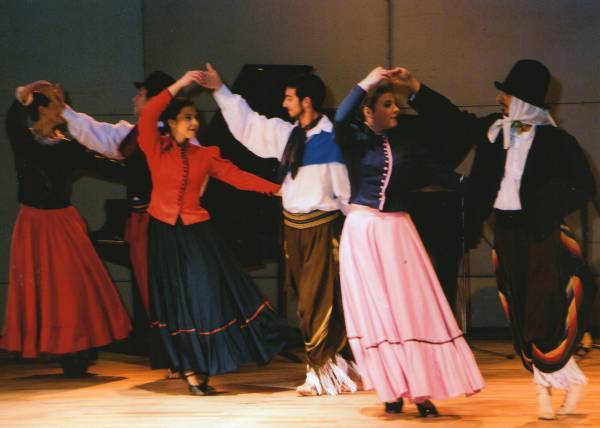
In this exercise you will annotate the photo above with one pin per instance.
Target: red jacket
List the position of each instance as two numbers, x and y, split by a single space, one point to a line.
179 172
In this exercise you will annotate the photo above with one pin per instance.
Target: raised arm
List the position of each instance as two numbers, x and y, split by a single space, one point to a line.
149 137
100 137
440 112
343 122
227 172
17 127
262 136
346 112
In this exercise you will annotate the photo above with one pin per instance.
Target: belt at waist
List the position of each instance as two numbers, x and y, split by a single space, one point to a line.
509 219
138 204
139 208
311 219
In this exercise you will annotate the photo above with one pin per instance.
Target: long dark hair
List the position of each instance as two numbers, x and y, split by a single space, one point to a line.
172 110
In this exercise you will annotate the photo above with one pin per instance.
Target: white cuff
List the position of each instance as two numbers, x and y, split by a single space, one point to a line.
68 113
222 92
363 85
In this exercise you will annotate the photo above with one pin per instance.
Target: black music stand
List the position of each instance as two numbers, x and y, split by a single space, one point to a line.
464 289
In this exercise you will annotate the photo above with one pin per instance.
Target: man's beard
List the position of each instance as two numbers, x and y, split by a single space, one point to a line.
297 116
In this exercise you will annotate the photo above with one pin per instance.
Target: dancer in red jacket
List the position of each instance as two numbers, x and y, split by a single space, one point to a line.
207 311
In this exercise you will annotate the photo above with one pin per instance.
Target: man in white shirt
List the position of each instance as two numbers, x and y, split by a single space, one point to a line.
315 188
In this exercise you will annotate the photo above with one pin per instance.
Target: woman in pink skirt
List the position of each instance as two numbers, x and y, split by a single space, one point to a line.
400 327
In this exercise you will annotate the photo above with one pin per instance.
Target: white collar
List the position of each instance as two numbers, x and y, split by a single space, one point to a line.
518 111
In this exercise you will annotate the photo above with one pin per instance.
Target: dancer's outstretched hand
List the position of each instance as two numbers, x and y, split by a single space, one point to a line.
400 76
187 79
210 78
375 76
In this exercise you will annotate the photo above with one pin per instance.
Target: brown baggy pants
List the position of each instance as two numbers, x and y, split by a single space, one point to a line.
311 243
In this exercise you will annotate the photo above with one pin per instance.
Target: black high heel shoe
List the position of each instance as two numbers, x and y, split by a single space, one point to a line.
427 409
202 388
394 406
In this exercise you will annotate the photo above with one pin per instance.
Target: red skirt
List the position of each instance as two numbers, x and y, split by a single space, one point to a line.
61 298
136 235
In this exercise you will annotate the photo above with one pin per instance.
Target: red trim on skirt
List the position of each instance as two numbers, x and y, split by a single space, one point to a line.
136 235
61 298
266 304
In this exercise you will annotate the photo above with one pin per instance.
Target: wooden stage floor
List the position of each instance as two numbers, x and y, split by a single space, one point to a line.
125 393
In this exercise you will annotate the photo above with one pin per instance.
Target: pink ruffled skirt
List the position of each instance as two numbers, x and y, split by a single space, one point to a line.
400 327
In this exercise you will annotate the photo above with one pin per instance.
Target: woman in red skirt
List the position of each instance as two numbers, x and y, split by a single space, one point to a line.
61 299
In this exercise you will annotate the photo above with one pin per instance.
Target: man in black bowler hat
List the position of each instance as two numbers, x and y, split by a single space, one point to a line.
531 174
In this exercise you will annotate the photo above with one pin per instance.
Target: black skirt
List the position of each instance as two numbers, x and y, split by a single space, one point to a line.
206 309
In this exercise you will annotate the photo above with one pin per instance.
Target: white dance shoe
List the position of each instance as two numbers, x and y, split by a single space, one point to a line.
544 396
573 396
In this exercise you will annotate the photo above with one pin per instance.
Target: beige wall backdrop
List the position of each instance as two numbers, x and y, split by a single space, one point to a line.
342 39
459 47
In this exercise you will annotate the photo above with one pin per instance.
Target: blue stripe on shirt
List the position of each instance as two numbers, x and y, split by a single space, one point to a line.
321 149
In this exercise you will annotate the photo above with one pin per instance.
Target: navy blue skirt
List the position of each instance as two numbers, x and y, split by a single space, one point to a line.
206 309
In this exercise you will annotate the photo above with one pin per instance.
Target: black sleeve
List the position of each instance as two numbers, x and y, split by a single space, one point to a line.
95 164
464 129
581 183
435 165
343 122
563 195
17 128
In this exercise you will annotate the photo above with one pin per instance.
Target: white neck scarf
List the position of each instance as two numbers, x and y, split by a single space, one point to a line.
519 111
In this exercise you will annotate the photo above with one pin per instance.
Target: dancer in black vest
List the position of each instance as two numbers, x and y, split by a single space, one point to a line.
61 300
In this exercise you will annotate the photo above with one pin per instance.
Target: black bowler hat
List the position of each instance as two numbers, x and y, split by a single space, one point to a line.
155 82
528 80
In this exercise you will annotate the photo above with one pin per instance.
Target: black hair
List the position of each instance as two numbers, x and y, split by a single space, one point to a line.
308 85
373 95
173 109
39 100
